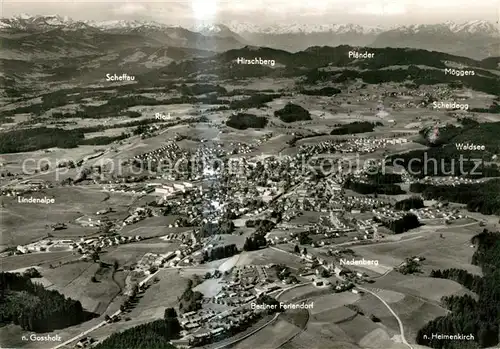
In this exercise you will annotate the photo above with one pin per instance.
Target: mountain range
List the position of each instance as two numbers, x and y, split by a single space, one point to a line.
476 39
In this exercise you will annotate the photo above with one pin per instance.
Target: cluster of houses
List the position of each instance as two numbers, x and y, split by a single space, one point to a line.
200 328
170 189
151 261
368 144
351 145
450 180
25 187
425 213
137 189
137 215
239 290
84 246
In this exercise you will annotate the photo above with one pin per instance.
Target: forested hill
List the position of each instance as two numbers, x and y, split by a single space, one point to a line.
34 308
480 317
420 66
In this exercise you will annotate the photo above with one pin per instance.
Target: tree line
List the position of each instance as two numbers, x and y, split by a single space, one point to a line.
355 127
190 300
480 317
220 252
257 240
152 335
35 308
372 188
418 75
479 197
398 226
409 203
292 112
242 121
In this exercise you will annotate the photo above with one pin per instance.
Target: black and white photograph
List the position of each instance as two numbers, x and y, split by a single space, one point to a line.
249 174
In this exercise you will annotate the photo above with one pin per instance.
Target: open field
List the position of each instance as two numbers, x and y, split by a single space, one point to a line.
152 227
152 303
415 314
35 259
358 327
27 162
272 336
23 223
332 315
209 288
452 251
378 338
332 301
268 256
420 286
74 281
319 336
299 292
129 254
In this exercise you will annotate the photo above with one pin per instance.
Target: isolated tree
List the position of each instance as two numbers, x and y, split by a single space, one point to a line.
297 249
304 251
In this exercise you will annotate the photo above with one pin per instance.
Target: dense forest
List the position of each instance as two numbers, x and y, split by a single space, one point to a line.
479 317
410 203
355 127
376 183
39 138
419 76
479 197
399 226
153 335
34 308
24 140
444 159
242 121
292 112
200 89
257 100
325 91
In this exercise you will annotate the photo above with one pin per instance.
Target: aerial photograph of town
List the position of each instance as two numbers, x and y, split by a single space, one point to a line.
249 174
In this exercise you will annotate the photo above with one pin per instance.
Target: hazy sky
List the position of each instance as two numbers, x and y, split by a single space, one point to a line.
366 12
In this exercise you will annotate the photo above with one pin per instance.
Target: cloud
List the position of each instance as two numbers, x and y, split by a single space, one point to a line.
204 9
128 9
380 9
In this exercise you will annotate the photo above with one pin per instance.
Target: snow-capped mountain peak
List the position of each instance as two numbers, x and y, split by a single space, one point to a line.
124 24
242 28
24 16
467 28
26 21
236 29
208 28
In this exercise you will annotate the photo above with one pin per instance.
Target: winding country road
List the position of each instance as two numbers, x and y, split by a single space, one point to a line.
400 323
